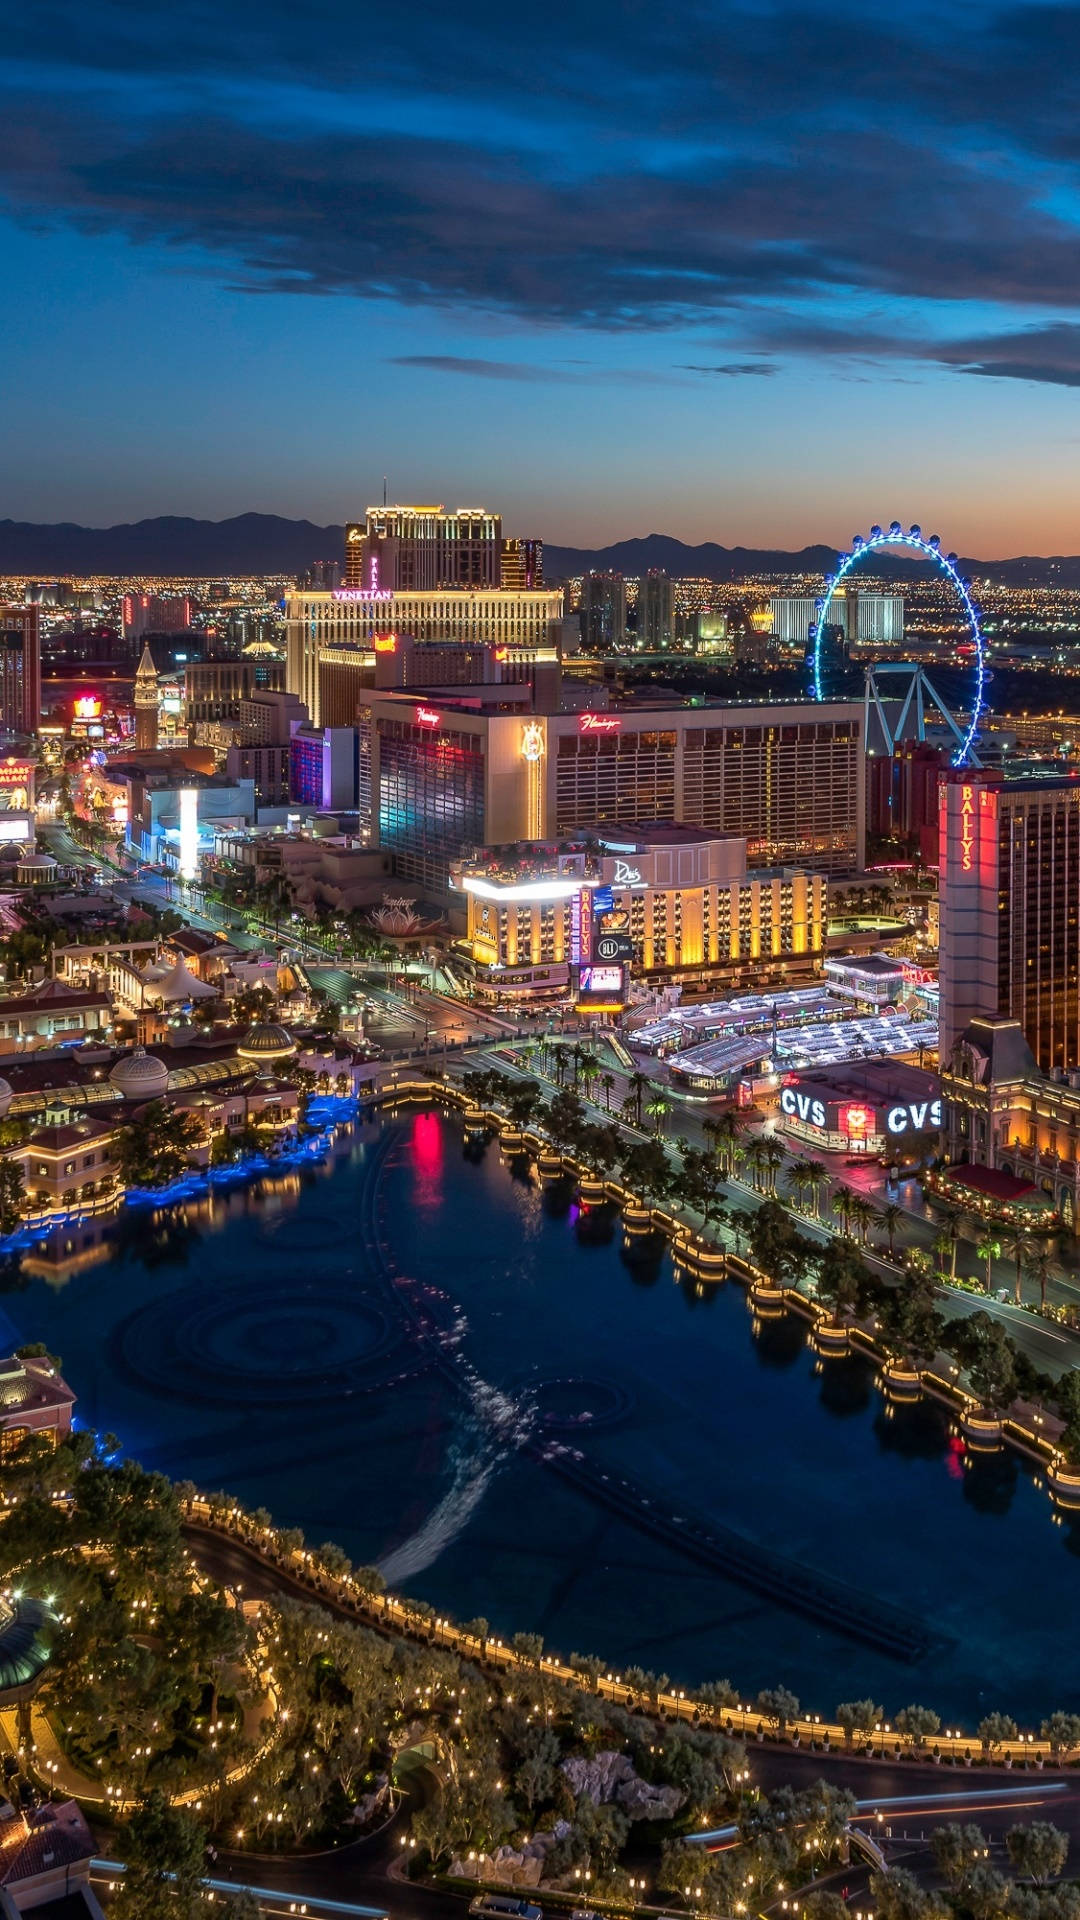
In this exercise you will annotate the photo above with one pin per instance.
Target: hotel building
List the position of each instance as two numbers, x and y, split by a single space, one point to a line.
673 902
20 669
334 640
419 548
443 774
1010 910
1002 1113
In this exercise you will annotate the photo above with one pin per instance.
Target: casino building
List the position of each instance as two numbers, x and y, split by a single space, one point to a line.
883 1108
444 773
673 903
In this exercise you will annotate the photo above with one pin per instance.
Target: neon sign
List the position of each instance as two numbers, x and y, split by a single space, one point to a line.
426 717
627 876
801 1106
386 643
532 740
351 594
856 1120
920 1114
599 722
967 828
87 707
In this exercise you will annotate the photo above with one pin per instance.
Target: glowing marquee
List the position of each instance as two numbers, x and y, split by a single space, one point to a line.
599 722
426 717
353 594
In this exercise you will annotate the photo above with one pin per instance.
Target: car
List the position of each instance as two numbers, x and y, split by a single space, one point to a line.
507 1905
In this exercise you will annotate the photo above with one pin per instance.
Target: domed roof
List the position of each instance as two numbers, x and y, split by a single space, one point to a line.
24 1642
6 1097
140 1075
265 1042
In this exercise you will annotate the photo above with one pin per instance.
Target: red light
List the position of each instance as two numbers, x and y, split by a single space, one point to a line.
599 722
426 717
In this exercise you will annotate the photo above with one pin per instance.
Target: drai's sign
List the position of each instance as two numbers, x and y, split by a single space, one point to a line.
802 1106
627 876
918 1115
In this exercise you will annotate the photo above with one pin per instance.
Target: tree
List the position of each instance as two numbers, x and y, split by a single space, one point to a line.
155 1147
957 1850
859 1716
917 1723
984 1348
825 1905
658 1106
891 1217
987 1894
164 1848
1038 1272
988 1249
842 1203
608 1082
1063 1732
840 1278
995 1730
777 1705
12 1195
1039 1850
638 1085
1018 1245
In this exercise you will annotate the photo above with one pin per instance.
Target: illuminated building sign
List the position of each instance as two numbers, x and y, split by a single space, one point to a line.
426 717
87 707
524 890
386 643
15 773
967 828
856 1119
599 722
919 1115
532 740
626 875
801 1106
351 594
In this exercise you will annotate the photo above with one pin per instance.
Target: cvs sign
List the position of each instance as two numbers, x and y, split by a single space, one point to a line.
918 1115
803 1107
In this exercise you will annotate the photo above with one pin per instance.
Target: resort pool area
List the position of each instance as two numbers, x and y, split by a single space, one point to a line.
419 1354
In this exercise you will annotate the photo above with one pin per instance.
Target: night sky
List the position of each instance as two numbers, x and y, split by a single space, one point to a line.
758 274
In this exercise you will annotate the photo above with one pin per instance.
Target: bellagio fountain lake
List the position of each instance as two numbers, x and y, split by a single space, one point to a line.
485 1389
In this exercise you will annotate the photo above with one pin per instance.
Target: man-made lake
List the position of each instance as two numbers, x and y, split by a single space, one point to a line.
422 1356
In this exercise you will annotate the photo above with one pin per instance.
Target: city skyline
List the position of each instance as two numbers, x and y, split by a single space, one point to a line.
737 277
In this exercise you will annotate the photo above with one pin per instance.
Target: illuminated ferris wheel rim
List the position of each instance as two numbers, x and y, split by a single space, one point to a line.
894 536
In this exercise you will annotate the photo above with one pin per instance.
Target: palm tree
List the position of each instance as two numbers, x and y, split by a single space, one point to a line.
798 1181
986 1250
890 1218
943 1246
1018 1244
863 1213
817 1179
755 1154
608 1082
774 1160
1038 1271
588 1069
656 1109
638 1086
723 1131
842 1206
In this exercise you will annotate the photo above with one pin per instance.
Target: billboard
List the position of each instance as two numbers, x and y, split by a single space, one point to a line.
614 947
601 980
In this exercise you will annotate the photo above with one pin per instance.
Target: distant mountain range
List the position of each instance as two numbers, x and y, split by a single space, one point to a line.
264 543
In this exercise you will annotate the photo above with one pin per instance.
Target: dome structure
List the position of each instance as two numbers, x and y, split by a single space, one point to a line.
265 1044
140 1076
25 1634
7 1095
